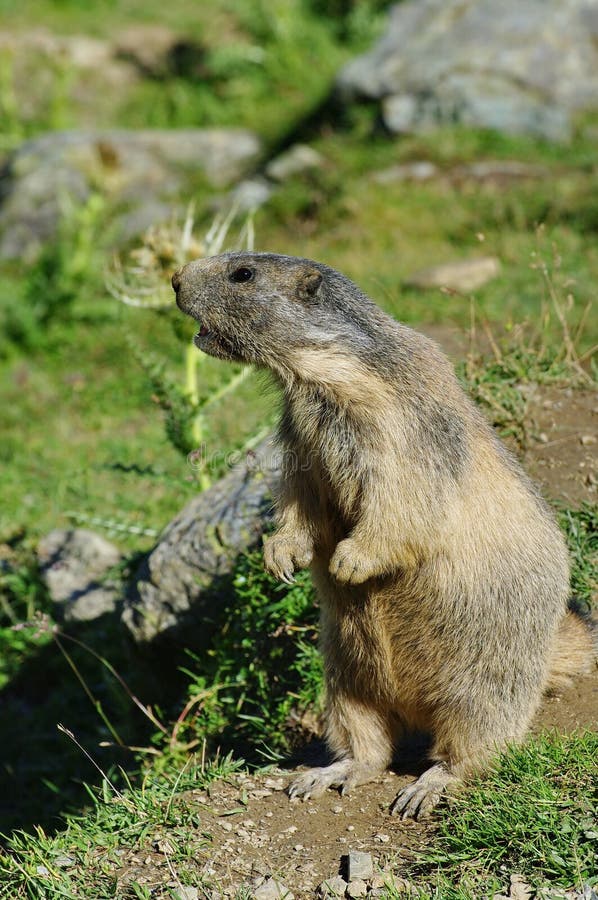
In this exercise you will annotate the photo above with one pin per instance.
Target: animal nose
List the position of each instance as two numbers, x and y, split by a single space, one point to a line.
176 279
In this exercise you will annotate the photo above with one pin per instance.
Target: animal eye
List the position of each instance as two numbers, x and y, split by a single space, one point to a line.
241 275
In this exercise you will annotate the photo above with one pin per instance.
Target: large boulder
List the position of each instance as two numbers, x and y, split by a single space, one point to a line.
521 66
180 586
140 170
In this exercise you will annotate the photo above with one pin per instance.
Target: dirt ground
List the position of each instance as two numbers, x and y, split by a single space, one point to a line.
253 831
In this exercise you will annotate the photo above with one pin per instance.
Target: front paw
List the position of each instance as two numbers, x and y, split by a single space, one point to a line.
282 555
350 563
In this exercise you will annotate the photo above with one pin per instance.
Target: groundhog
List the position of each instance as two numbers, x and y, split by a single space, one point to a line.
442 576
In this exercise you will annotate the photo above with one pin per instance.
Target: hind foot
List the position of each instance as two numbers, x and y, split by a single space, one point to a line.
417 800
345 774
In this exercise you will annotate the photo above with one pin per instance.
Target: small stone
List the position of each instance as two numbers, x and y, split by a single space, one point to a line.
298 847
415 171
357 888
543 437
337 810
260 868
187 893
463 275
64 862
350 827
250 194
272 890
360 865
586 440
333 887
275 784
163 846
297 159
382 838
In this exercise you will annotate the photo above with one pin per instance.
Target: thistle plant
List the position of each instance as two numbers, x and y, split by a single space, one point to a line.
143 281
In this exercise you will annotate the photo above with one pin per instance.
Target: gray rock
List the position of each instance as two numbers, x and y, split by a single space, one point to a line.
422 170
463 275
272 890
186 893
333 887
130 168
197 551
359 865
357 888
249 195
444 61
80 71
74 564
159 52
297 159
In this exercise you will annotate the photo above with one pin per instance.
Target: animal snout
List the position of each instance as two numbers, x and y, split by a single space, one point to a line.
176 279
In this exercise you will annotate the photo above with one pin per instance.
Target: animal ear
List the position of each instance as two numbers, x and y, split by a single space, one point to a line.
309 283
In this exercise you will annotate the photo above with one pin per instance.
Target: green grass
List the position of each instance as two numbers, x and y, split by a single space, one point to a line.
535 815
84 861
262 670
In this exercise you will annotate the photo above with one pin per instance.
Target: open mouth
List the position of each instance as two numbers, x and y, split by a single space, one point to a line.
214 343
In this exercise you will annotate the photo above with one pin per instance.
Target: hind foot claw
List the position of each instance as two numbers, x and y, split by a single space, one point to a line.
345 774
417 800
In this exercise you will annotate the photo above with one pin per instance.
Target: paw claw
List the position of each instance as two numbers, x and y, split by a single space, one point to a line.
283 554
349 564
417 800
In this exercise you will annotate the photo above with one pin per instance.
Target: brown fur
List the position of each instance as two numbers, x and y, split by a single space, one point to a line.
442 576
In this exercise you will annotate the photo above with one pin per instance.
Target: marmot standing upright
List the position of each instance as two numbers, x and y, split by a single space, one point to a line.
442 576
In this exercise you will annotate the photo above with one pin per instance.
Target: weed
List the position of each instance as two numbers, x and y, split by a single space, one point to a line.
67 268
262 671
146 284
81 862
581 529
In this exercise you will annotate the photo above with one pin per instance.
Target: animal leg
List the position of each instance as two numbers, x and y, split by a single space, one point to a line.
361 739
417 800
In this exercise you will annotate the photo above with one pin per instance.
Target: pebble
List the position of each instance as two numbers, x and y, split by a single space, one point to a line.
360 865
64 862
187 893
357 888
333 887
462 275
587 439
275 784
382 838
272 890
337 810
260 868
